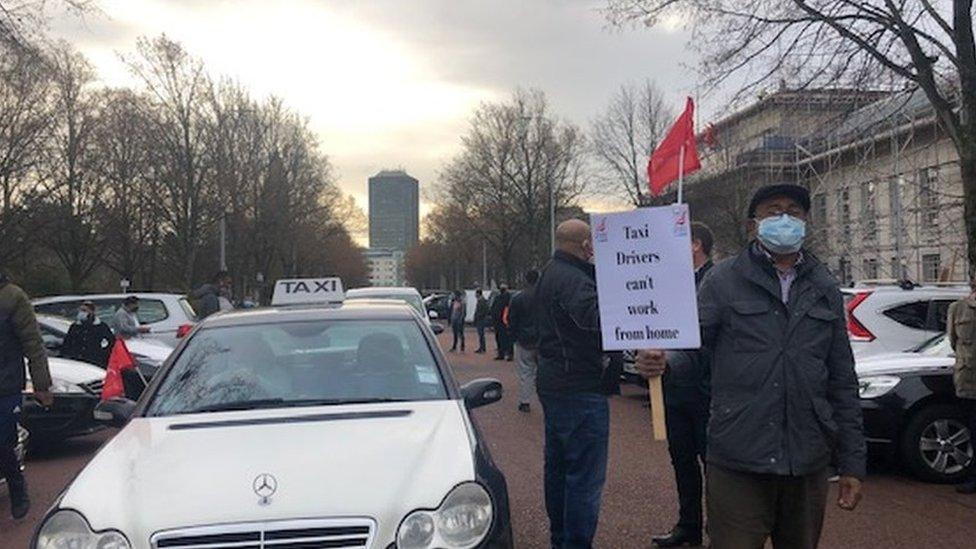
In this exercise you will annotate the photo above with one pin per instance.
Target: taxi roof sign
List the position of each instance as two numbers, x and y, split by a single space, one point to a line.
306 291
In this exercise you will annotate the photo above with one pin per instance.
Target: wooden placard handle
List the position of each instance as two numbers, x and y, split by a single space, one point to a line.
657 408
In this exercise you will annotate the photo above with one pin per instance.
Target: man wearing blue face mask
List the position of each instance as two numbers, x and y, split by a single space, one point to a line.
784 392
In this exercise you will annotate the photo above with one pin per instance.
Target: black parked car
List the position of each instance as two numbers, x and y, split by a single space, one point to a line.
911 412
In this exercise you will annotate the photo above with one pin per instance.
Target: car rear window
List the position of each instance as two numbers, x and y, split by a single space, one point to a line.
921 315
300 363
150 310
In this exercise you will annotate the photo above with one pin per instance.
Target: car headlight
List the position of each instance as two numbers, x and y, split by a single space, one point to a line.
462 521
875 386
69 530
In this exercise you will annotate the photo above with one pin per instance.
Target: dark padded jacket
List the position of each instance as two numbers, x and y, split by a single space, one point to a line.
89 341
20 337
570 351
521 319
784 391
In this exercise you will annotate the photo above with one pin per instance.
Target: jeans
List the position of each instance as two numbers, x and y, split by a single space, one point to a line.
526 365
458 330
481 336
577 436
9 465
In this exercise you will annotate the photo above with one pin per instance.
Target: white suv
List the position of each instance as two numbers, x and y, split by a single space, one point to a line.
887 318
169 316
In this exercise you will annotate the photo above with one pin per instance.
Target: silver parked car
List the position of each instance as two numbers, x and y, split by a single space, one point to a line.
169 316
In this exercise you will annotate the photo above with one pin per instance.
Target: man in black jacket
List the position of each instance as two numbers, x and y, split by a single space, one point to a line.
784 393
502 337
686 417
573 383
522 329
89 339
480 318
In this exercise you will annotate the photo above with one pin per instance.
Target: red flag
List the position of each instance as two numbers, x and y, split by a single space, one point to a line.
663 168
118 361
709 136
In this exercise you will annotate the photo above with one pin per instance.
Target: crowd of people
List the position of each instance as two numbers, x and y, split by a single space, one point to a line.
758 419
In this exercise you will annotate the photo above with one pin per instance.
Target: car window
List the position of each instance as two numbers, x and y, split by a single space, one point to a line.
300 363
938 312
412 300
913 315
64 309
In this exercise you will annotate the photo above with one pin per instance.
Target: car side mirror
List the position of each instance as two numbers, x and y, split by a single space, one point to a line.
114 412
481 392
433 315
437 328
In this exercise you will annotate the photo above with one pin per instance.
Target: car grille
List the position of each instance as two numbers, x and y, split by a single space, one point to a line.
94 387
294 534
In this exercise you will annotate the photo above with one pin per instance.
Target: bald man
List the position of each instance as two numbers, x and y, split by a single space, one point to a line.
573 383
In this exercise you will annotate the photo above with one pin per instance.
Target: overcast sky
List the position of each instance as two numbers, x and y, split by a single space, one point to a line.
391 83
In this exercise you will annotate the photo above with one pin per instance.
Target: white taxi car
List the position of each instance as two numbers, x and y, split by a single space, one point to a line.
293 428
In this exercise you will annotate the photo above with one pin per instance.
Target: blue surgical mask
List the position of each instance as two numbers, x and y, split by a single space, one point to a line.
82 316
782 234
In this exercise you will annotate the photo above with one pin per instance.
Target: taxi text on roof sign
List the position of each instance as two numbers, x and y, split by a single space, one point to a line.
296 291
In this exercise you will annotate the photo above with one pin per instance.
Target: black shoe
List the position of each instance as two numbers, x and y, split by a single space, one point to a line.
19 500
499 357
967 487
509 358
678 537
524 407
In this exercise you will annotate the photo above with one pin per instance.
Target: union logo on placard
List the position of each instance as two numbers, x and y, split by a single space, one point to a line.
679 217
601 230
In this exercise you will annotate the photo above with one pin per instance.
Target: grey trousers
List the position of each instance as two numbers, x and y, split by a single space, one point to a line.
526 364
746 509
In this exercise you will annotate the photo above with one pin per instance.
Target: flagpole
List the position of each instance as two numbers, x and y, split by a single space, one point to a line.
681 172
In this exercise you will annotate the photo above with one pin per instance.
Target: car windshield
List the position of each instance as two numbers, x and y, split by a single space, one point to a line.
936 346
300 363
414 301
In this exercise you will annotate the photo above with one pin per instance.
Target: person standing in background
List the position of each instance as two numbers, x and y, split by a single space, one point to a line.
573 384
20 337
458 313
88 339
499 308
686 415
480 318
961 328
213 296
125 323
523 331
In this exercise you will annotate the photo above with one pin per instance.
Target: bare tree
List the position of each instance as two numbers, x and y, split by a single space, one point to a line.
177 86
24 119
22 22
517 163
926 44
623 137
73 195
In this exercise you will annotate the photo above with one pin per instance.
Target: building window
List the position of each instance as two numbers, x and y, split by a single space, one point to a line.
931 264
869 210
820 209
845 270
844 212
928 197
870 268
896 269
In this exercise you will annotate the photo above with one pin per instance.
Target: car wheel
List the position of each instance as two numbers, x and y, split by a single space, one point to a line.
937 445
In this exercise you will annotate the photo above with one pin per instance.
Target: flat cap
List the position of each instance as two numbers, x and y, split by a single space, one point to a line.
796 192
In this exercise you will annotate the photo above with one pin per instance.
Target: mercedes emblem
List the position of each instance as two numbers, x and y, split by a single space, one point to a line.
265 486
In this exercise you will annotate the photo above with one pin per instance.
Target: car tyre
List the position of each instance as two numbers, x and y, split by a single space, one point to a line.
934 441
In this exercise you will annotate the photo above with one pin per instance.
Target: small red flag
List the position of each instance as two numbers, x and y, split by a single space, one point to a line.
663 167
118 361
709 136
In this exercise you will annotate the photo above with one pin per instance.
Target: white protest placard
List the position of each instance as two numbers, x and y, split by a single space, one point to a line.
645 279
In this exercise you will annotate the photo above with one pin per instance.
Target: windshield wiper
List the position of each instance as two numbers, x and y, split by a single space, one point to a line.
238 405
